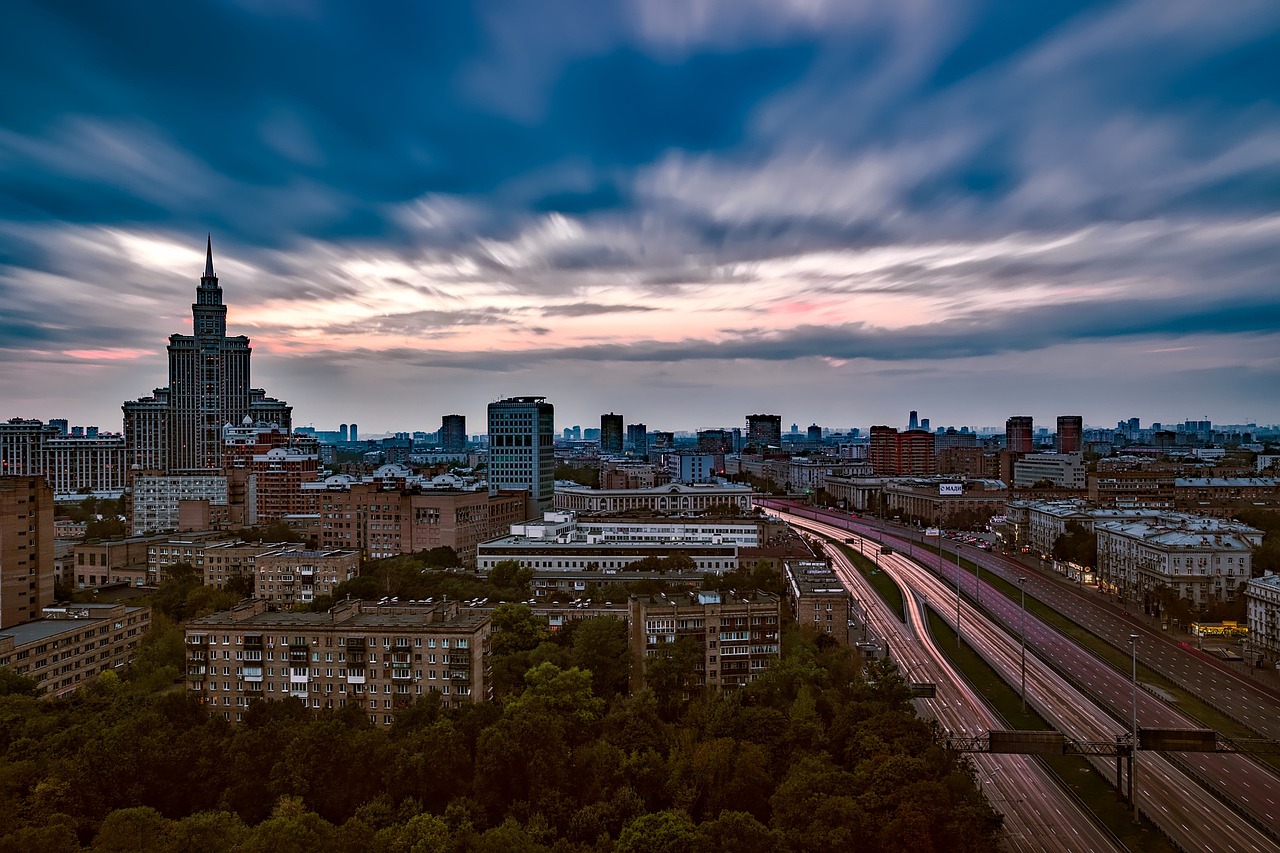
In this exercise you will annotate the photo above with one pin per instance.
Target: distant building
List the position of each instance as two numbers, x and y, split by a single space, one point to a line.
156 498
764 430
1018 434
1070 435
71 465
522 448
691 467
611 433
1263 609
378 657
637 443
738 633
892 453
180 426
453 433
1063 470
671 498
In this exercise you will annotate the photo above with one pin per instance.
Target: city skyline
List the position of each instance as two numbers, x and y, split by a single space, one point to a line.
831 212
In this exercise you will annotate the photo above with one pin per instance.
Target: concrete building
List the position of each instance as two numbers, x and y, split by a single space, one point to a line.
379 657
296 576
1039 524
602 559
395 513
894 454
611 434
816 597
637 443
690 467
1263 608
1018 434
453 433
672 498
156 498
1061 470
180 427
69 464
1132 489
26 549
69 646
739 633
522 449
943 502
764 430
1070 435
1202 560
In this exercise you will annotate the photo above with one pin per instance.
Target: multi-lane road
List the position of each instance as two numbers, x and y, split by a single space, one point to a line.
1089 700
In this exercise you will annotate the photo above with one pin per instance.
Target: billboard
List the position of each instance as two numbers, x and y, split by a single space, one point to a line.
951 488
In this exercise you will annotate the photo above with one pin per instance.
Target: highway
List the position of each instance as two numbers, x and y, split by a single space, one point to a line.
1039 813
1175 791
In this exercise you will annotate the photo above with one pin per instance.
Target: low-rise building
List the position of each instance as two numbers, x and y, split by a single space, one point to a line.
71 644
1202 560
379 657
292 576
738 633
1263 609
672 498
1061 470
817 598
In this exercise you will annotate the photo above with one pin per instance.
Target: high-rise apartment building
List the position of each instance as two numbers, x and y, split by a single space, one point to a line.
893 453
453 433
522 449
1017 434
637 440
180 427
26 549
611 433
764 430
1070 434
69 462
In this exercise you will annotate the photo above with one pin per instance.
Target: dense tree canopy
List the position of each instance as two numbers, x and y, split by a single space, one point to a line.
811 756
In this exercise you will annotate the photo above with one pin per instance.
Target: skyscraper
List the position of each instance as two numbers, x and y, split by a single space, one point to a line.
637 439
764 430
521 449
1017 434
180 427
913 420
453 433
1070 434
611 433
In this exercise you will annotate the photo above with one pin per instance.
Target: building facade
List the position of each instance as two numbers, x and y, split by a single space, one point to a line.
71 645
296 576
522 448
1263 609
70 464
764 430
1061 470
378 657
453 433
611 434
1070 435
671 498
209 387
26 549
739 634
817 598
894 454
1018 434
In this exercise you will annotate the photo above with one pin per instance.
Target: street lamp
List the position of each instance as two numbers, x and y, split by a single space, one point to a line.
1022 581
1133 754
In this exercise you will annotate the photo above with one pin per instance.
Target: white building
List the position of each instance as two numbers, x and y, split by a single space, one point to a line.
691 467
673 498
1063 470
1263 597
1202 560
156 496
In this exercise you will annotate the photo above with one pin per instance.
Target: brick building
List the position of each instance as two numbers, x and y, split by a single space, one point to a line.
379 657
26 548
72 644
292 576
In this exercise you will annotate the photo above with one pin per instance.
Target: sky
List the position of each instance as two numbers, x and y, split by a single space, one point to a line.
684 211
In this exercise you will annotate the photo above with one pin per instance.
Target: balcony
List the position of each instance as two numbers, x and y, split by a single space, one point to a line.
196 672
253 641
197 639
298 675
253 673
401 673
355 676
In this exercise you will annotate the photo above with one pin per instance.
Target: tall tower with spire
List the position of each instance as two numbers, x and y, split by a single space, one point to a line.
180 427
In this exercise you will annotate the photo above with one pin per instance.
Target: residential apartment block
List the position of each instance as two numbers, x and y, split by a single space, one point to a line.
738 633
70 645
379 657
1263 608
894 453
26 548
817 598
293 576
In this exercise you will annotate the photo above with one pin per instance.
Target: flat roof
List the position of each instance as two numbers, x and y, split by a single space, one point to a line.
44 629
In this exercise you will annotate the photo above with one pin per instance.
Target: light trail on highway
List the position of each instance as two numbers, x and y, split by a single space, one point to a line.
1174 791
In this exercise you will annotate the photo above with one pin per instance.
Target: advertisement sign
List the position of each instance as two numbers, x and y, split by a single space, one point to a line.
951 488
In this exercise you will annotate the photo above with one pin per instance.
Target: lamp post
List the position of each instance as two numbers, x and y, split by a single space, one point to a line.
1022 655
1133 754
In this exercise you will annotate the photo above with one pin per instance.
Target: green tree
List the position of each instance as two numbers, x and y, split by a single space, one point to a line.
510 574
17 684
1077 544
668 831
600 647
516 629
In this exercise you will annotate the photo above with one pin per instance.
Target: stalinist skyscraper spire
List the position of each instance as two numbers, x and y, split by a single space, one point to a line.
180 427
